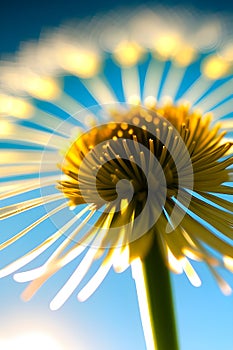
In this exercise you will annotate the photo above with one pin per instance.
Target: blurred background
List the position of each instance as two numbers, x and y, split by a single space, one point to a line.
110 319
23 20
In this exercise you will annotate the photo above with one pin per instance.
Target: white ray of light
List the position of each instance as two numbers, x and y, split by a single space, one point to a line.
96 280
102 272
130 83
52 122
28 257
196 90
37 137
23 186
68 104
22 109
30 275
17 264
18 208
173 81
137 274
100 90
216 95
74 280
153 78
223 110
82 245
77 276
30 227
24 169
25 156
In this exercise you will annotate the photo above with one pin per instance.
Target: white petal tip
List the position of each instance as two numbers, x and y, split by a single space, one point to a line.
190 273
2 274
226 289
197 283
228 262
17 278
54 306
81 297
120 268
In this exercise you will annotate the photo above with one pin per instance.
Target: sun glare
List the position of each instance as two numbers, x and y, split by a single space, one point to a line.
28 341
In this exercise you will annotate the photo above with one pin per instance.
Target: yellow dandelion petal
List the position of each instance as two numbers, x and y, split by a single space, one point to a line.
215 67
128 54
81 62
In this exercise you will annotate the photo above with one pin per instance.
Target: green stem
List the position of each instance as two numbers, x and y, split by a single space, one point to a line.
159 304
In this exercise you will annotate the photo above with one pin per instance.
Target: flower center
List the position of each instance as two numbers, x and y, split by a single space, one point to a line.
114 161
143 155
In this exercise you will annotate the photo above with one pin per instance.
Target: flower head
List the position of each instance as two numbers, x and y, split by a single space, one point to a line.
152 158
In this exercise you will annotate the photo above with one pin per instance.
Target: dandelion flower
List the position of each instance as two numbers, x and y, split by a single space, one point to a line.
123 139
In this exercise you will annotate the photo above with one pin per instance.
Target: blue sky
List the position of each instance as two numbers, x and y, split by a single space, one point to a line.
110 319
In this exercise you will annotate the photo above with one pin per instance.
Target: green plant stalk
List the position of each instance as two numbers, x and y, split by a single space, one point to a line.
154 285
